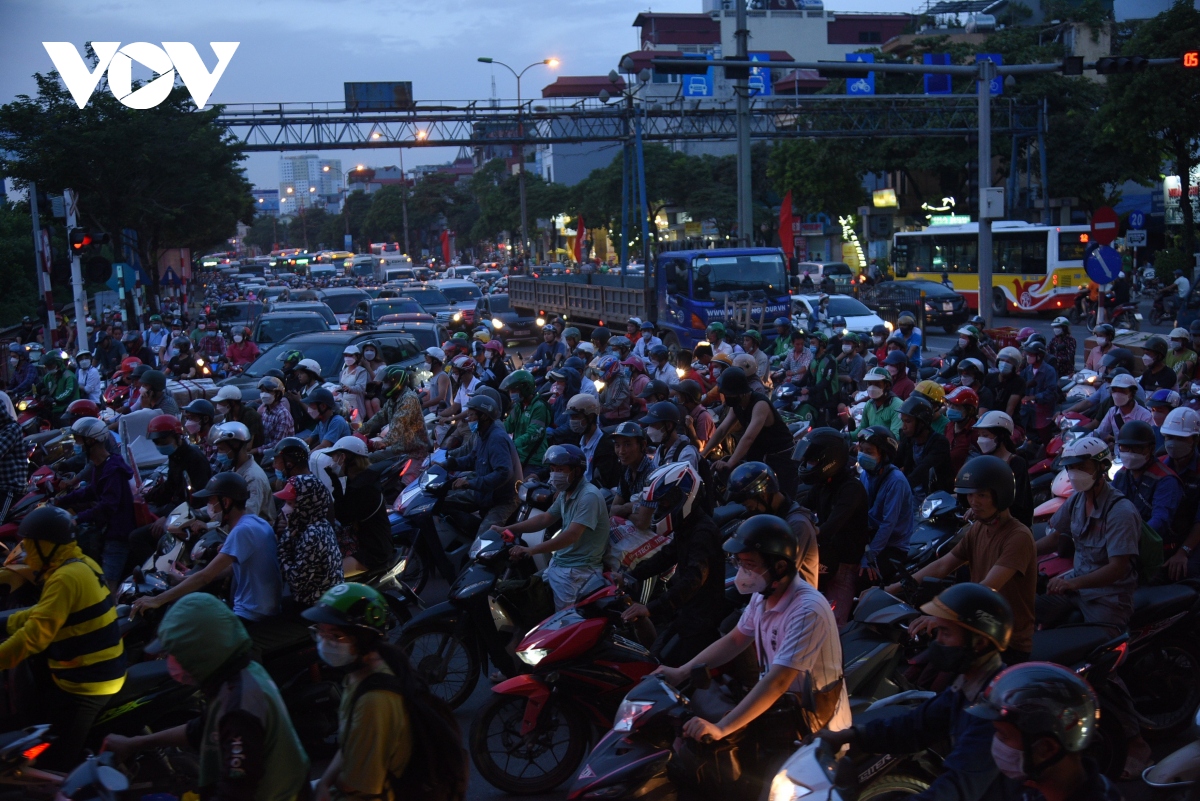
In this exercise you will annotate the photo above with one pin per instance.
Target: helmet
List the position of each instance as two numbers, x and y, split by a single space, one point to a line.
1060 322
630 430
228 393
1086 449
751 479
51 360
1025 333
897 358
752 333
200 406
601 334
658 351
497 347
89 428
996 420
583 403
970 331
1009 354
1104 330
878 374
963 396
621 341
437 354
274 372
394 377
973 364
906 318
1035 347
139 370
1156 345
918 408
1136 432
1194 328
292 448
1123 380
769 536
746 363
564 456
571 332
292 356
350 445
880 330
229 484
1042 700
636 322
931 391
882 438
977 608
715 328
463 363
1117 357
988 473
820 336
351 605
83 408
351 350
484 405
672 490
653 389
270 384
460 338
48 524
733 383
1164 399
320 395
661 412
310 366
724 358
229 432
782 322
164 424
1180 333
520 380
1181 422
689 390
646 325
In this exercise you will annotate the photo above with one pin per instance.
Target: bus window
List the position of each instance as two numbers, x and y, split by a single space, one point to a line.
1071 246
1021 253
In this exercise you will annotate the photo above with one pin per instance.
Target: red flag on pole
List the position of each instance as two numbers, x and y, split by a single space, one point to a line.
446 247
787 239
580 233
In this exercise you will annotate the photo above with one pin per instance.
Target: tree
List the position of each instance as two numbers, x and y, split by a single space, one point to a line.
17 264
384 221
304 229
1153 116
170 172
263 232
823 176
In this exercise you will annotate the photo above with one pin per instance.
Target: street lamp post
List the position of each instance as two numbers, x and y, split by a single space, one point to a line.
549 62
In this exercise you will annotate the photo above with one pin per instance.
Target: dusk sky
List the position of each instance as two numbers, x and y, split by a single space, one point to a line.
303 50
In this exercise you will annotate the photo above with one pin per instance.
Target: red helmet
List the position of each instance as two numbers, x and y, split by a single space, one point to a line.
83 408
963 396
164 424
127 364
494 345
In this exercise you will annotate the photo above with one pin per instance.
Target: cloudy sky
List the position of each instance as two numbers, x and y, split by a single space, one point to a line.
302 50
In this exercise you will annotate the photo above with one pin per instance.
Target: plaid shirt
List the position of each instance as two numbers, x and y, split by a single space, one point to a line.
1060 352
277 422
14 461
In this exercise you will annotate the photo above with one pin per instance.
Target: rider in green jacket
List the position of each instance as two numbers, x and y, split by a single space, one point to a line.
528 418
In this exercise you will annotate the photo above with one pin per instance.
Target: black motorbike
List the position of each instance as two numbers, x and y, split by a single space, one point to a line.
938 530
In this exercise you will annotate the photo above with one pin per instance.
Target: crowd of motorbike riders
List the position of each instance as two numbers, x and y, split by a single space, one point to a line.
829 508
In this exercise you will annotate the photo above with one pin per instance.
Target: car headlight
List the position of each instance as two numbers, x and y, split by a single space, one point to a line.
532 656
457 317
497 323
541 321
784 789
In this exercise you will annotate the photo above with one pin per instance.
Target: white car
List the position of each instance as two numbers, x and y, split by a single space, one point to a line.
856 317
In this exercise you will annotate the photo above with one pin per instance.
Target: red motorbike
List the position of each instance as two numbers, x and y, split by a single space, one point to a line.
33 414
533 733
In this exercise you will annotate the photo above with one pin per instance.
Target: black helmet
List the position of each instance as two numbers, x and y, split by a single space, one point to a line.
494 394
1117 357
919 408
988 473
978 609
292 448
484 405
200 406
880 330
1042 700
769 536
661 412
733 382
225 485
689 389
822 454
155 380
1104 330
752 479
602 334
1136 432
882 438
1035 347
1156 345
49 524
322 396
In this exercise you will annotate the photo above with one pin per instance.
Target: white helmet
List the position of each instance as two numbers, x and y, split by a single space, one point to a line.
1181 422
228 393
228 432
1009 353
995 419
1086 449
1180 333
671 490
583 403
310 365
436 354
972 362
1124 381
350 444
89 427
1061 322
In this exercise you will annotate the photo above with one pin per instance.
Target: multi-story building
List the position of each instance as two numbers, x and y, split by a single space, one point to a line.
306 181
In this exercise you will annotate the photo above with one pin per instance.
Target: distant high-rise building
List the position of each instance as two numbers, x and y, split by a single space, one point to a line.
306 181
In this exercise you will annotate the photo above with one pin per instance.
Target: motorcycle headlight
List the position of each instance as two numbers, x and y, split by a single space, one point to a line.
628 713
532 656
784 789
497 323
928 508
22 406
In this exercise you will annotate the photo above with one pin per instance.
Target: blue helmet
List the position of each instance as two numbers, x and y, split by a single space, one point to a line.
564 456
897 358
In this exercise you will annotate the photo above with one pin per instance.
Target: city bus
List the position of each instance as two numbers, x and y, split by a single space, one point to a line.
1035 268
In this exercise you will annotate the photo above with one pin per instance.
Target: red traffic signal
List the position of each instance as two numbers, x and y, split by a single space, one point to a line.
81 239
1191 59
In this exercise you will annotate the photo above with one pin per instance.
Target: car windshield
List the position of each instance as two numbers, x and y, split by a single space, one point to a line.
847 307
400 306
327 354
275 329
428 297
499 303
743 273
425 336
344 302
461 293
319 308
230 312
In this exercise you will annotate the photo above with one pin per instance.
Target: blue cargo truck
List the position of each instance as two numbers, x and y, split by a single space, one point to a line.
740 287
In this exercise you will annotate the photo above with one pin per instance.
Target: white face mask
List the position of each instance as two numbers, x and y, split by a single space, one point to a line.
1010 761
1133 461
963 342
314 412
350 360
215 513
1081 480
655 435
878 340
222 408
1006 367
847 348
85 364
747 581
287 509
237 338
1176 344
874 391
1120 397
1147 359
986 444
13 361
267 398
368 355
335 654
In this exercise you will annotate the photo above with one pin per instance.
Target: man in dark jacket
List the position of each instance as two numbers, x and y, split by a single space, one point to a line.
924 455
491 485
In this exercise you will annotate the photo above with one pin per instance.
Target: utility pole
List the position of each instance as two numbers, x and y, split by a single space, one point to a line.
987 72
404 202
745 216
43 270
72 201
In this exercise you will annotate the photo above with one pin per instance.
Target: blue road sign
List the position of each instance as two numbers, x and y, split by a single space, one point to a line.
1102 264
997 82
861 86
1137 220
760 77
938 84
698 85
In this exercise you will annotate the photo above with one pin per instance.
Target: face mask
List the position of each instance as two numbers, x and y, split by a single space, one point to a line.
215 514
1120 397
655 435
514 398
747 581
84 364
166 450
280 475
963 342
314 412
986 444
1179 449
1009 761
577 424
349 360
177 673
237 338
339 468
1133 461
893 371
847 348
1147 359
474 426
1058 332
874 391
1176 344
1006 368
954 415
868 463
335 654
368 355
192 426
561 482
176 333
1081 481
812 349
224 461
878 340
267 398
13 361
78 449
222 408
950 659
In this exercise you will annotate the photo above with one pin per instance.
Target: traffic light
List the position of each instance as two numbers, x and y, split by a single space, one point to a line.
1191 59
1113 66
81 240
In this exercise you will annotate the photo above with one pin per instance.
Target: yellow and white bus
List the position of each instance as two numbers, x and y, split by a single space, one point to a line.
1034 267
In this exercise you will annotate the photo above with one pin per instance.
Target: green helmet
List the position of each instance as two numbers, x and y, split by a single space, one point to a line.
753 334
520 380
394 379
352 606
820 336
292 356
461 336
51 360
878 374
716 328
571 333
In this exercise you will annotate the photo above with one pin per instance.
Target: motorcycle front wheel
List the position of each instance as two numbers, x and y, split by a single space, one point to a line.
1161 681
449 665
533 763
892 787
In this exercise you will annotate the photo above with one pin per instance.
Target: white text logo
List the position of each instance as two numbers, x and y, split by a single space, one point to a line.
182 56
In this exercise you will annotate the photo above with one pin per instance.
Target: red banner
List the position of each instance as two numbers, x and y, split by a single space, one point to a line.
580 233
787 239
446 247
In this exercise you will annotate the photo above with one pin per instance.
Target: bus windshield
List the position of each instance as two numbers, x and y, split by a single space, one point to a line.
762 272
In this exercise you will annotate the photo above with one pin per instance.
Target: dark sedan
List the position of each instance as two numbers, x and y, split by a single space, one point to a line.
944 307
495 312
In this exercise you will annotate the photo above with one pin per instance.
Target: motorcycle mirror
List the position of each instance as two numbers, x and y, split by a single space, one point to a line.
700 678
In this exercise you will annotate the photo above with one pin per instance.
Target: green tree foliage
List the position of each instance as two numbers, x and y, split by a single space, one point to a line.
17 265
823 175
384 221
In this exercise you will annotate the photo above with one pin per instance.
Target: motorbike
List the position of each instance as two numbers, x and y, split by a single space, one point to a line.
18 751
33 414
1080 386
938 526
1162 659
1162 310
876 647
534 731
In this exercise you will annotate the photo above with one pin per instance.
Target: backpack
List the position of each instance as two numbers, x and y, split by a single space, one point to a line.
437 769
704 499
1149 560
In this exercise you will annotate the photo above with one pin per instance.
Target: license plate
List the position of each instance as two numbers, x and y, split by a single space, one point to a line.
520 333
947 307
